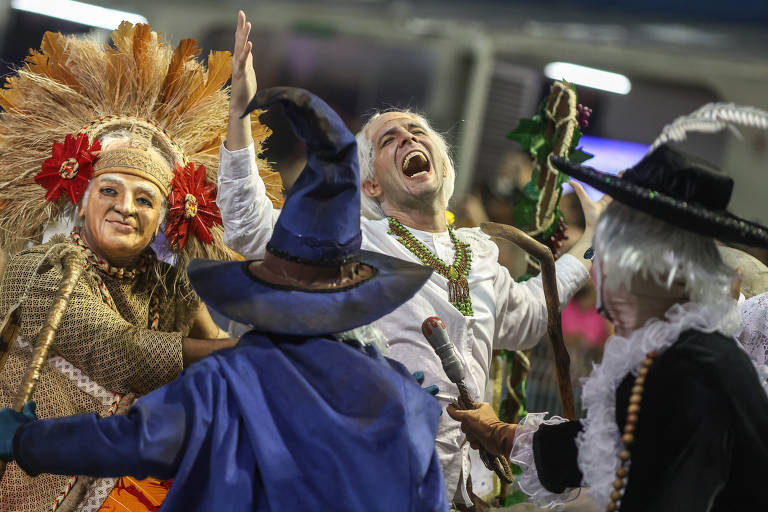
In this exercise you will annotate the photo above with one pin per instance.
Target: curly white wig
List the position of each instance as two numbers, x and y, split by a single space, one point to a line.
371 207
631 243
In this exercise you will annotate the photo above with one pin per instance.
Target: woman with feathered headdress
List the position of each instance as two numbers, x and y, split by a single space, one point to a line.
111 149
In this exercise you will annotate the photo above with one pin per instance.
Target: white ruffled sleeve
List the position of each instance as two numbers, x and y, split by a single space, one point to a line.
754 328
522 455
754 334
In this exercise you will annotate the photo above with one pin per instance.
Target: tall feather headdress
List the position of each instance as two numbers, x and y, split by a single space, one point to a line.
163 97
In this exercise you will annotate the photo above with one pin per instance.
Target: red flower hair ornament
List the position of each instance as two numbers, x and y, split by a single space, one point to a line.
192 206
69 169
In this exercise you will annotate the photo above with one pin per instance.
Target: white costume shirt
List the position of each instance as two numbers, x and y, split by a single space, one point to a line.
507 315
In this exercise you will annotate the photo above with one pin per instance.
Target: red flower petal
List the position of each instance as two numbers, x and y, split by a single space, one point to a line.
189 180
74 187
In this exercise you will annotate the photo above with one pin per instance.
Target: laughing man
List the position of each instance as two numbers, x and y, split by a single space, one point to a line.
407 179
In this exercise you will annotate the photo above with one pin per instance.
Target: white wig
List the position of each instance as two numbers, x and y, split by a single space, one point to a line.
632 243
370 206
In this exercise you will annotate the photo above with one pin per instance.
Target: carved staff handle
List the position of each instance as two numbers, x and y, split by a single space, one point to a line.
554 327
72 269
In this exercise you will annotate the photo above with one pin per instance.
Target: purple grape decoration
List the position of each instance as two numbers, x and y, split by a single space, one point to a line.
583 113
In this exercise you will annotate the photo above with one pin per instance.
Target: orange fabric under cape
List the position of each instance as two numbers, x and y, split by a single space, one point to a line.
131 495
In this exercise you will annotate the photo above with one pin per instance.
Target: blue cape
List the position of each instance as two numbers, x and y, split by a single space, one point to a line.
299 424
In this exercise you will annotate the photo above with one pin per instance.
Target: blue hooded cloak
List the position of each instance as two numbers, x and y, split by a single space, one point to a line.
262 427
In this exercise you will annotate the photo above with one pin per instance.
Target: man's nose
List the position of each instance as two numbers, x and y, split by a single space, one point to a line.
406 138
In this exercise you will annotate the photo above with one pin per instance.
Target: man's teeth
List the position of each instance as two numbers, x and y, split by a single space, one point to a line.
415 163
411 155
420 172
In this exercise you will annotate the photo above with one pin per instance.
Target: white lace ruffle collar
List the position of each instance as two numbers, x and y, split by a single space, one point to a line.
600 440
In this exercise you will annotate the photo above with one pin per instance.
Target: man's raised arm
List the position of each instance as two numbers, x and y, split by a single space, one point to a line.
246 211
521 307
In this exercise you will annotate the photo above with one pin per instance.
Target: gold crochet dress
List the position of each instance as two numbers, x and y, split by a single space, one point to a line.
101 353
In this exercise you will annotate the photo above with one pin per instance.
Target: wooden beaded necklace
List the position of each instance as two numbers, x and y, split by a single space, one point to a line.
633 413
121 273
456 273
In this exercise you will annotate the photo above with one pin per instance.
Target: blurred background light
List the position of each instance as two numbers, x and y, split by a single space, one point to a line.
588 77
611 156
78 12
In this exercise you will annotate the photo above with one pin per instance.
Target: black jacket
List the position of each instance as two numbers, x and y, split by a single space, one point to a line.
701 441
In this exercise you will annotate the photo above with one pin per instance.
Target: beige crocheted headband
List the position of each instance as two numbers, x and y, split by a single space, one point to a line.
136 162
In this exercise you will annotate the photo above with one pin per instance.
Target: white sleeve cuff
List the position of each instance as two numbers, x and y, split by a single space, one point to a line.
522 455
237 164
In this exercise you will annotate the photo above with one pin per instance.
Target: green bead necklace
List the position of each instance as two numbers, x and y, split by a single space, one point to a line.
456 273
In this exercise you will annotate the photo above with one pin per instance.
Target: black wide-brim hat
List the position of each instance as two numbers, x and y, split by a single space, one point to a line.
678 188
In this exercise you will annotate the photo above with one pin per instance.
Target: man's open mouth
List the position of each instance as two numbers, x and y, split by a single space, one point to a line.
415 163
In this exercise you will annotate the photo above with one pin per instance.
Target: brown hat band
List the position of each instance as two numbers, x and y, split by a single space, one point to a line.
284 273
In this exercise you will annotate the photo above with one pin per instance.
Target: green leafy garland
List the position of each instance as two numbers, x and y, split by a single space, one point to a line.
531 135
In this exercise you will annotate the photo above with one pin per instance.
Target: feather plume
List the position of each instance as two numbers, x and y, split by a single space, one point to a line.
175 87
219 70
143 58
712 118
52 59
9 94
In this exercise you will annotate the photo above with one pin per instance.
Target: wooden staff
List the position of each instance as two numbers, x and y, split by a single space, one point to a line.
72 267
554 327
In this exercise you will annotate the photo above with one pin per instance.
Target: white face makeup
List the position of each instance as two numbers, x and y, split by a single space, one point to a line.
121 216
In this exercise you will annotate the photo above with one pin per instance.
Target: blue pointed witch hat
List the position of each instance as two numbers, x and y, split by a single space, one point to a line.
314 278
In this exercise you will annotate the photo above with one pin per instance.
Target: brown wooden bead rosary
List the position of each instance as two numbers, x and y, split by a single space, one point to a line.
633 413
